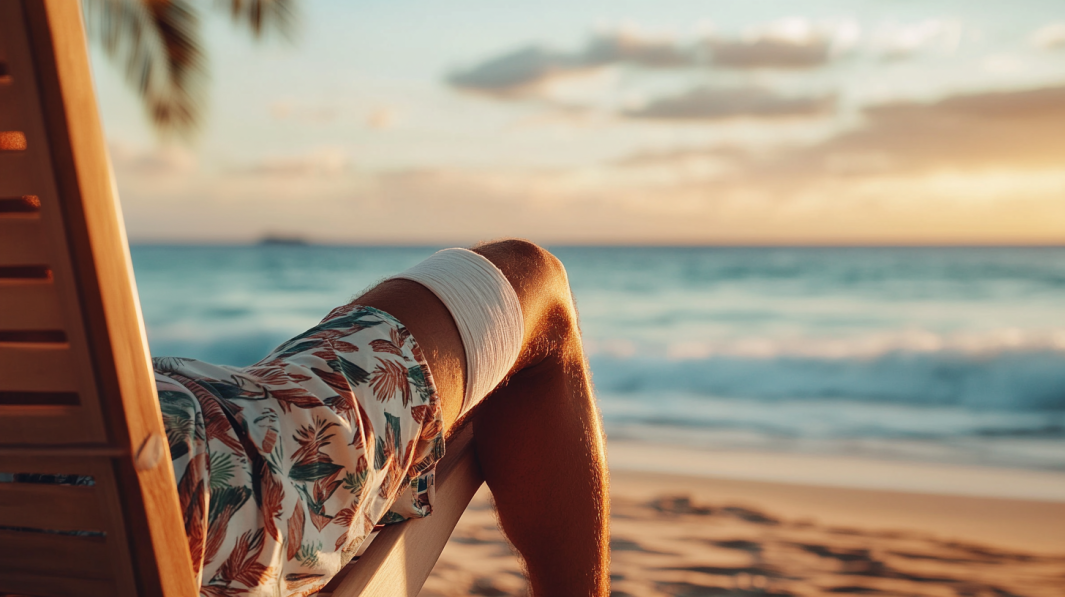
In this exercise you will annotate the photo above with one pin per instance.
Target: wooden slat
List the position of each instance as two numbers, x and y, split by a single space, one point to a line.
31 172
123 553
54 554
29 305
22 241
4 25
44 44
32 367
43 585
66 460
45 425
106 298
52 507
9 109
57 461
401 557
16 178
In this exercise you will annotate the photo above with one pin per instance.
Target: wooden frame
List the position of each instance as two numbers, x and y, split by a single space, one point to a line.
77 392
401 557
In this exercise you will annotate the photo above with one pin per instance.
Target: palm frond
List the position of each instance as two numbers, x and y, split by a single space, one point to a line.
159 42
261 16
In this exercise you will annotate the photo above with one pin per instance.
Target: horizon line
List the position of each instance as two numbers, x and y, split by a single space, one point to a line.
620 245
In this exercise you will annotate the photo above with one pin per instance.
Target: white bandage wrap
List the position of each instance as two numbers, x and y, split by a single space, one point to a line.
486 311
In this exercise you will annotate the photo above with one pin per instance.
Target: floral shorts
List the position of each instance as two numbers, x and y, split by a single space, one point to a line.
284 467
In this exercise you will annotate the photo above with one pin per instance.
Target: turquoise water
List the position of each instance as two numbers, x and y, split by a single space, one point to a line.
953 355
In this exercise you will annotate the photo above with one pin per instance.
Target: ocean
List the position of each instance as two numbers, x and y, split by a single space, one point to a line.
952 355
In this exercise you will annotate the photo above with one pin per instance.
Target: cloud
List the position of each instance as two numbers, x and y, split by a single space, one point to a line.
1049 37
168 160
633 48
899 41
521 71
323 161
609 204
1016 129
719 103
516 72
653 158
770 53
970 168
1000 64
788 44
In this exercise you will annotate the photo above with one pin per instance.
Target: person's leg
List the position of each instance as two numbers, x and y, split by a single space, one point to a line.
538 437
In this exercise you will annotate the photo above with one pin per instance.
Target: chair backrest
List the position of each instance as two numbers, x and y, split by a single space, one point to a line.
77 395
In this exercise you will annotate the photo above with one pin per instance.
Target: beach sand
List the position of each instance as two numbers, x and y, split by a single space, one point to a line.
704 535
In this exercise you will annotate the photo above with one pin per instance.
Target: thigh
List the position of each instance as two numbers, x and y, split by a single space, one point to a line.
432 326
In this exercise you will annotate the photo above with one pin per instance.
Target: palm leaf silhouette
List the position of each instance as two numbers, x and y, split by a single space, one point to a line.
262 15
159 44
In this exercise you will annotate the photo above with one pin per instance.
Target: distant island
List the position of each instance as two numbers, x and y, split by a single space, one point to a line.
283 240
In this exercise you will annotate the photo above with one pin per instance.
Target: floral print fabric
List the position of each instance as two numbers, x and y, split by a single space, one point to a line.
284 467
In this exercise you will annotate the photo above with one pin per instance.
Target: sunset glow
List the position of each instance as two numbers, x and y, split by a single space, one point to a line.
672 122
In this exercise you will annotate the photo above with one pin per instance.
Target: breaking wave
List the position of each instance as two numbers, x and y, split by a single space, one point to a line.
1020 379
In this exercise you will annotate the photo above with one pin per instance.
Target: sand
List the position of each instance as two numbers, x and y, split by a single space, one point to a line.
704 535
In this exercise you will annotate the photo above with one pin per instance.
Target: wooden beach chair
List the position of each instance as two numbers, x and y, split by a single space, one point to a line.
77 393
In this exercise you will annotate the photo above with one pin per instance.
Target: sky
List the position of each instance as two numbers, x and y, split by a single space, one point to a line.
574 122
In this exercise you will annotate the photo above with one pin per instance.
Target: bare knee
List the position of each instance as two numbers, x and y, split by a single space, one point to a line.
540 280
529 267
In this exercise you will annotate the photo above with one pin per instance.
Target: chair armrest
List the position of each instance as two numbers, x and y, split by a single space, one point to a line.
402 555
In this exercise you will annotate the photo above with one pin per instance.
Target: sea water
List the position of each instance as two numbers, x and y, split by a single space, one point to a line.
932 354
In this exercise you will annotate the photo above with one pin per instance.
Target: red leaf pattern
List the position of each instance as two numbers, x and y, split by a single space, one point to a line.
341 542
386 346
342 346
345 517
216 534
243 565
388 378
275 375
419 413
193 498
303 429
295 531
273 499
300 397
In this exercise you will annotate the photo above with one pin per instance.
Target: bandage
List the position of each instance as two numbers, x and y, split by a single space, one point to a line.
486 311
